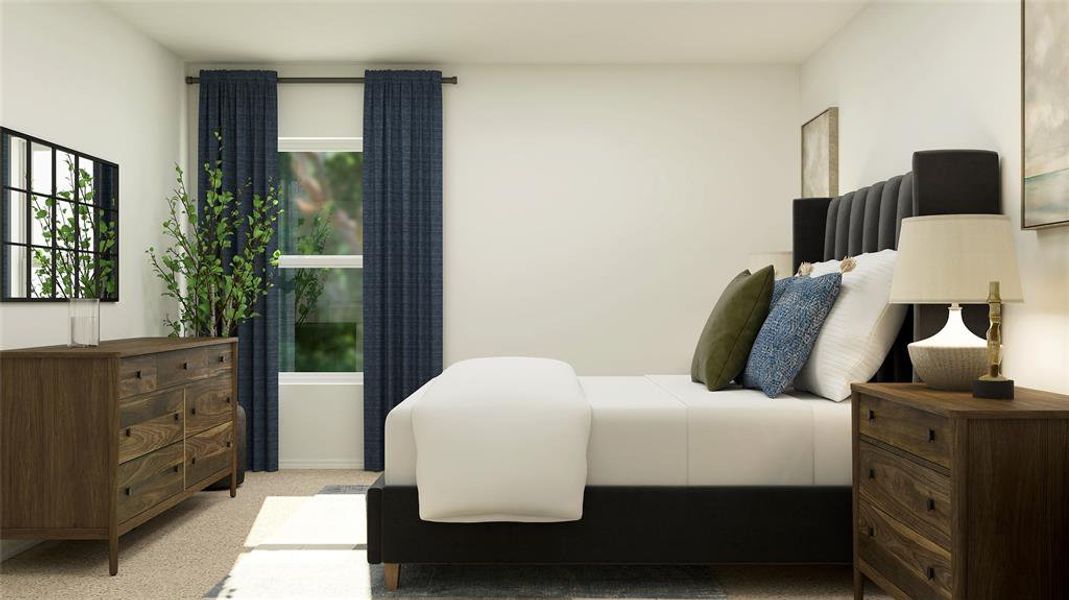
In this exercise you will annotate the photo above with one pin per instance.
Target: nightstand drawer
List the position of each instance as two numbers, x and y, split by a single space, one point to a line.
917 565
921 433
913 494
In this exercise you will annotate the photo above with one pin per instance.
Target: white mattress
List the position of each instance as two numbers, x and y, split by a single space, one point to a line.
665 430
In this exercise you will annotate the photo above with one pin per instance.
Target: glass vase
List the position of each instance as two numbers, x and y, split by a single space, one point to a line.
84 322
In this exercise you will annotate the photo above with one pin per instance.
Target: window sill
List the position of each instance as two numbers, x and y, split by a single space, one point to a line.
321 379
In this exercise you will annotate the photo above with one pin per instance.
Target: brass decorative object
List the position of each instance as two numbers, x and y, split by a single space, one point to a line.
992 384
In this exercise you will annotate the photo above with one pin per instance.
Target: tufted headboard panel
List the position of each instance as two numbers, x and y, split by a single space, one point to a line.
870 219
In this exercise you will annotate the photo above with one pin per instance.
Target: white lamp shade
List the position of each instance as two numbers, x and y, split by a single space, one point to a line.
953 258
782 262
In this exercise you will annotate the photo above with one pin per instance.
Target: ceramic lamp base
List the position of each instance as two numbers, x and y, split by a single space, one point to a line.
951 359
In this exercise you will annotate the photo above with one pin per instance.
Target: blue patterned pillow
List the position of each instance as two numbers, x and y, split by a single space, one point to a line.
780 287
785 340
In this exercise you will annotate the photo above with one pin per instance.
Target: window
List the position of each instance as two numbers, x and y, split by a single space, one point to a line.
321 238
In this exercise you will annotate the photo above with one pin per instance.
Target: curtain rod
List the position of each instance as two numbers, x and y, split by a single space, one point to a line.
350 80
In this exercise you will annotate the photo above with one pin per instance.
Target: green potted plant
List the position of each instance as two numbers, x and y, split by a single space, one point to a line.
217 292
214 294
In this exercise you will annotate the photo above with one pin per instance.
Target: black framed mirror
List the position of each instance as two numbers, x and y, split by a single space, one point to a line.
60 222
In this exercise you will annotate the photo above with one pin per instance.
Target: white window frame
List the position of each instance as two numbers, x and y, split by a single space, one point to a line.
333 261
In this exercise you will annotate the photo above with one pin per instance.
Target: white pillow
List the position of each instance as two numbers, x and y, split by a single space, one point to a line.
859 331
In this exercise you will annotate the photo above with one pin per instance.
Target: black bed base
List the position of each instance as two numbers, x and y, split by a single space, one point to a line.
628 525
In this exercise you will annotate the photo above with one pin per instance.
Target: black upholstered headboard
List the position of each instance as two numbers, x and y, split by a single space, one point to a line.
869 220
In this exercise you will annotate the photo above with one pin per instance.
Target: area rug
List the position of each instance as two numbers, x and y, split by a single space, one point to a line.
320 551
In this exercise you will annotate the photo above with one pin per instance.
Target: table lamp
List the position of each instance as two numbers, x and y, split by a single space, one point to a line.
782 262
955 260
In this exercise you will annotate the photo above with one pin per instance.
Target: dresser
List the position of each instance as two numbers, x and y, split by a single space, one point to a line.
96 441
959 497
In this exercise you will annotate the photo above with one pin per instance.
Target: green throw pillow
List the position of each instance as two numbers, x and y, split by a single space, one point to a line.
732 328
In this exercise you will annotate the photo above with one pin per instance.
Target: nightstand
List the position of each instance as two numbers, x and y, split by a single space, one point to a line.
958 497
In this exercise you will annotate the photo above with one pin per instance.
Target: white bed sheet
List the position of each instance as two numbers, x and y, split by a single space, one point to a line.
665 430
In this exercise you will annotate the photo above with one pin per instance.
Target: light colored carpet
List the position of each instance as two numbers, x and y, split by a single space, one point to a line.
271 534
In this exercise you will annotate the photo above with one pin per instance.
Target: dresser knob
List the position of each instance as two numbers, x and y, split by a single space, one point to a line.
222 358
176 467
931 504
185 366
177 416
872 532
930 573
228 444
127 491
872 415
193 460
193 410
228 399
931 435
872 473
138 374
127 432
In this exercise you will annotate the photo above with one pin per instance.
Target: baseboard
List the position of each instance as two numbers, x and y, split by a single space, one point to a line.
11 548
322 463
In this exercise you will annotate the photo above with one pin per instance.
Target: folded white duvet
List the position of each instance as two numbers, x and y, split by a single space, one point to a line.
502 439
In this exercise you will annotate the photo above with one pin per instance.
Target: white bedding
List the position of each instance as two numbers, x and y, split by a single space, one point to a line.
664 430
501 439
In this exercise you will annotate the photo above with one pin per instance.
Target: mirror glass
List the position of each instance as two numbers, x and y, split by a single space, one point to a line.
60 212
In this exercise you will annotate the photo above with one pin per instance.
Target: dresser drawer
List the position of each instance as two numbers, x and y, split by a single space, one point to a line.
915 564
146 481
209 403
208 452
921 433
185 365
137 375
913 494
149 423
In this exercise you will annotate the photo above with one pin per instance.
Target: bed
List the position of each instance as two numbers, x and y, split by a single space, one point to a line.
680 475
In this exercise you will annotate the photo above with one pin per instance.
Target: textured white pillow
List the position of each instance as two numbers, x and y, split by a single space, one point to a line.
859 330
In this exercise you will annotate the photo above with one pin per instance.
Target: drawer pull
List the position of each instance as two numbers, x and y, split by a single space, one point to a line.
872 415
931 504
193 410
228 444
929 573
872 473
193 460
138 374
872 532
228 399
127 432
176 467
931 435
127 491
177 416
222 358
185 366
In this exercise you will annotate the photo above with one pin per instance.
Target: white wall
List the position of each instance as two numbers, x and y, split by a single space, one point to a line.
592 214
920 76
76 75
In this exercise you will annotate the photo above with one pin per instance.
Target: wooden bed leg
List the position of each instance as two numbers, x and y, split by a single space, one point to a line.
392 574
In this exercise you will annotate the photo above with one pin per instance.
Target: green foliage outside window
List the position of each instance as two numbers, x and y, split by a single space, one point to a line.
322 324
